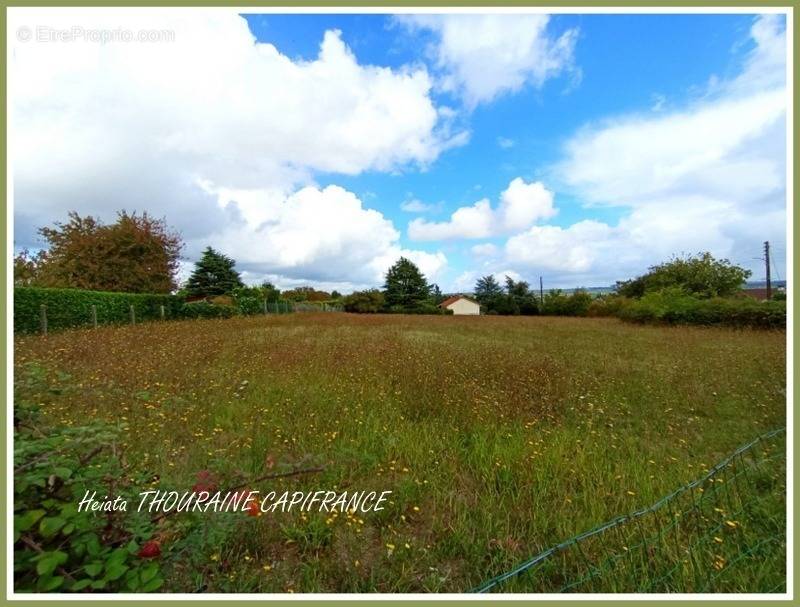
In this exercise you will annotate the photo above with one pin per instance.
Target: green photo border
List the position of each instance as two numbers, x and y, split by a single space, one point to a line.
244 4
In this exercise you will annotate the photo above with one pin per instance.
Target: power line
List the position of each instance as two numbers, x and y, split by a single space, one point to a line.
775 267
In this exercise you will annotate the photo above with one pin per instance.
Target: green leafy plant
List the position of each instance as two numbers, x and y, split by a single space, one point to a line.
364 302
205 309
700 275
558 303
675 306
59 546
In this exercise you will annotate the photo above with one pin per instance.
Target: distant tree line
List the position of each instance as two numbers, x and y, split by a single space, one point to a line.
140 254
516 298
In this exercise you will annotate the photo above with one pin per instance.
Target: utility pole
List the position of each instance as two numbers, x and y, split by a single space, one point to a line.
766 260
541 290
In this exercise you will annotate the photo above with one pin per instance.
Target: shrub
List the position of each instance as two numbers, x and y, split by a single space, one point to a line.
222 300
306 294
250 300
674 306
249 306
557 303
607 305
205 309
58 547
503 305
665 305
700 275
68 308
364 302
578 303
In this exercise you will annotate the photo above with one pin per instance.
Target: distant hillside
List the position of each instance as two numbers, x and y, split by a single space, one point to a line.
762 284
752 284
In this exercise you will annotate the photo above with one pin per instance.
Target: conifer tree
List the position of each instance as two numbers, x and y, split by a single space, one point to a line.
214 274
406 287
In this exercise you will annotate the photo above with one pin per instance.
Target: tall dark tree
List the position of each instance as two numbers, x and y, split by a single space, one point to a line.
522 299
436 294
486 289
406 287
136 254
214 274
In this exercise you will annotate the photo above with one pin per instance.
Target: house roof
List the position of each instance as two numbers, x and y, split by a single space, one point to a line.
455 298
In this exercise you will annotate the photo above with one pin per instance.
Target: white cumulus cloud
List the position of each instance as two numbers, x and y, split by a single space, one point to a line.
167 126
521 204
486 249
484 56
710 176
416 206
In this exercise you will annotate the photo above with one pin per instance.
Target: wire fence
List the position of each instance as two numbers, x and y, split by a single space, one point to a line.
322 306
723 532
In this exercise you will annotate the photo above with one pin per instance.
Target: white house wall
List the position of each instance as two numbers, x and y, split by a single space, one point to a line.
464 307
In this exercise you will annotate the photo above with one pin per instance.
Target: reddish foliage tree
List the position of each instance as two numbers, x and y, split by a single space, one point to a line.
136 254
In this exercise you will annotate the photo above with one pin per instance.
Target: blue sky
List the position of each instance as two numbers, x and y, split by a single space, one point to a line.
582 148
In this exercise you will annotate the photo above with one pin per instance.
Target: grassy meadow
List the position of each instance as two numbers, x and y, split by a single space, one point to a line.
498 436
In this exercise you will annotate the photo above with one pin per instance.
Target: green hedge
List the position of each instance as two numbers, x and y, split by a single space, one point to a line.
677 308
204 309
68 308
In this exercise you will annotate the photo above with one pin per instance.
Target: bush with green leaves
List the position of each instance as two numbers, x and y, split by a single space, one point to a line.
57 547
70 308
607 305
700 275
558 303
250 300
205 309
364 302
675 306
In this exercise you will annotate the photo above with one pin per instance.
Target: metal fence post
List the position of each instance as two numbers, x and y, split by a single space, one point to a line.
43 318
162 311
94 316
133 315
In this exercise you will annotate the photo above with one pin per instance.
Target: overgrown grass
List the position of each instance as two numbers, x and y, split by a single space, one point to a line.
498 436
